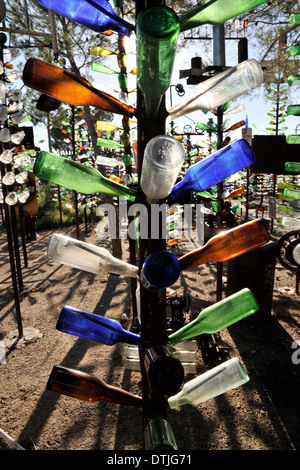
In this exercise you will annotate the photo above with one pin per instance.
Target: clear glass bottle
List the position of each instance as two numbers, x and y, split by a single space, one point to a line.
290 222
86 257
87 387
163 158
157 32
218 316
228 244
70 88
94 327
216 12
98 15
160 270
164 371
223 87
212 383
77 176
215 168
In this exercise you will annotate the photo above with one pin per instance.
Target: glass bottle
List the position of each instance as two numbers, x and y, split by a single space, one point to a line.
215 168
293 80
94 327
163 158
212 383
223 87
235 126
97 15
228 244
292 193
160 270
292 166
294 50
77 384
77 176
293 110
157 32
218 316
290 222
295 18
159 435
293 139
216 12
70 88
164 371
86 257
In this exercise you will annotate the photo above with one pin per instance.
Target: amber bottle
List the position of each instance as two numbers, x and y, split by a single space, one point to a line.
70 88
82 386
228 244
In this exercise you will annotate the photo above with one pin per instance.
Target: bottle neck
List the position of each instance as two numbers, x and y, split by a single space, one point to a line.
195 258
181 188
187 331
177 400
129 338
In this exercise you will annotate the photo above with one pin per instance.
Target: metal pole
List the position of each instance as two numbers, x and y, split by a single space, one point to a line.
220 60
153 305
9 229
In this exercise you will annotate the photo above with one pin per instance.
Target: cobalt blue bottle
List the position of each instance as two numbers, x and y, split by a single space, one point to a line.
215 168
94 327
97 15
160 270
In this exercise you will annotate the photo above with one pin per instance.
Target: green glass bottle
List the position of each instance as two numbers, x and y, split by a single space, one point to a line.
294 167
294 50
77 176
157 32
216 12
294 80
293 110
293 139
295 18
292 193
159 435
218 316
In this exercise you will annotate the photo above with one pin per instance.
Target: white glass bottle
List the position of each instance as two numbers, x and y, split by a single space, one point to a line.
216 381
163 159
221 88
86 257
291 222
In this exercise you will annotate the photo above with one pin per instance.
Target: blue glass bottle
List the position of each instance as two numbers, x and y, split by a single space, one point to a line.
97 15
94 327
160 270
215 168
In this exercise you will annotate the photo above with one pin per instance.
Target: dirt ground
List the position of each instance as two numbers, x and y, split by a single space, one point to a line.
261 415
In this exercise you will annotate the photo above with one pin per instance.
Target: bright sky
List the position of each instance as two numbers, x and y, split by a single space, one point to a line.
256 105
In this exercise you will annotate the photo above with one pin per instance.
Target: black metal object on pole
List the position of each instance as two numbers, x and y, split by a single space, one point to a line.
8 227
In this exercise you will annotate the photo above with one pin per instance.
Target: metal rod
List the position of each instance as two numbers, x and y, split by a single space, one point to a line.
219 59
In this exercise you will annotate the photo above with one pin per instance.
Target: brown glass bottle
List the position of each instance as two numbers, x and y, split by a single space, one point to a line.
77 384
70 88
228 244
